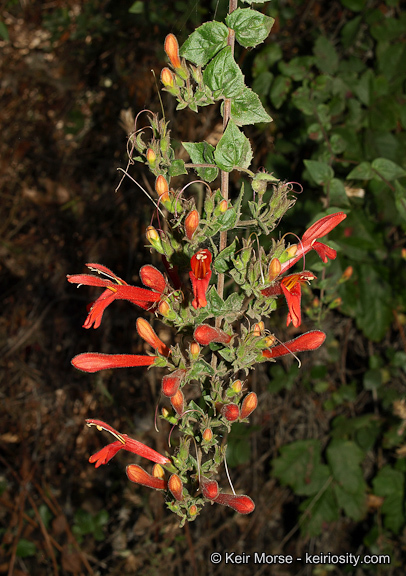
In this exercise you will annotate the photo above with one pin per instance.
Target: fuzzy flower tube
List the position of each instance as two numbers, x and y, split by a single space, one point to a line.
216 286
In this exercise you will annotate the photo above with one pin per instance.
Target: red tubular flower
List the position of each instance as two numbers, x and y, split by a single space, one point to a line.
308 341
241 504
291 287
231 412
171 382
248 406
210 488
123 442
309 240
176 487
200 277
93 361
204 334
117 290
138 475
148 334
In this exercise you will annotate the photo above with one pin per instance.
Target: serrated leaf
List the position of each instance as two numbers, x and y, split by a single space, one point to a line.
321 172
387 169
177 168
223 75
246 108
202 153
204 43
390 484
354 505
326 55
317 511
233 149
200 368
251 27
374 304
344 458
279 90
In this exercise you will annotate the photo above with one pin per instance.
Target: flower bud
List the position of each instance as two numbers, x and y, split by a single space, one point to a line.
346 275
148 334
237 386
138 475
270 341
205 334
248 406
274 269
171 382
191 223
151 157
158 471
178 402
231 412
171 48
162 188
167 78
193 510
194 350
176 487
210 488
152 278
223 206
241 504
207 435
154 239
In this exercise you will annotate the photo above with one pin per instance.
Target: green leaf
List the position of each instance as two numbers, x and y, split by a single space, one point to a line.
320 172
387 169
255 1
246 108
25 548
202 153
374 304
204 43
400 200
298 68
361 172
199 369
326 55
251 27
344 458
354 505
177 168
372 379
233 149
223 76
338 196
390 484
279 90
354 5
4 31
317 511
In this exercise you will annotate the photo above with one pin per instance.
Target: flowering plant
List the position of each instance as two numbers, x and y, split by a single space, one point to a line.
199 248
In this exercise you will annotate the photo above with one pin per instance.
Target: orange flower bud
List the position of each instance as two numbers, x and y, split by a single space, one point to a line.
165 412
151 157
291 251
237 386
162 188
148 334
207 435
206 334
176 487
274 269
164 308
191 223
193 510
167 78
249 404
270 340
154 239
346 275
178 402
138 475
171 48
223 206
158 471
194 350
241 504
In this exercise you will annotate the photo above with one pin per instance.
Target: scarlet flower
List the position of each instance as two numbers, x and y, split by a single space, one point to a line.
204 334
210 488
249 404
200 277
138 475
94 361
310 237
123 442
241 504
308 341
291 287
231 412
148 334
117 290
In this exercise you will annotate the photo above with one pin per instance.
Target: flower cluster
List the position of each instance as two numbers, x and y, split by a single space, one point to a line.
218 344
